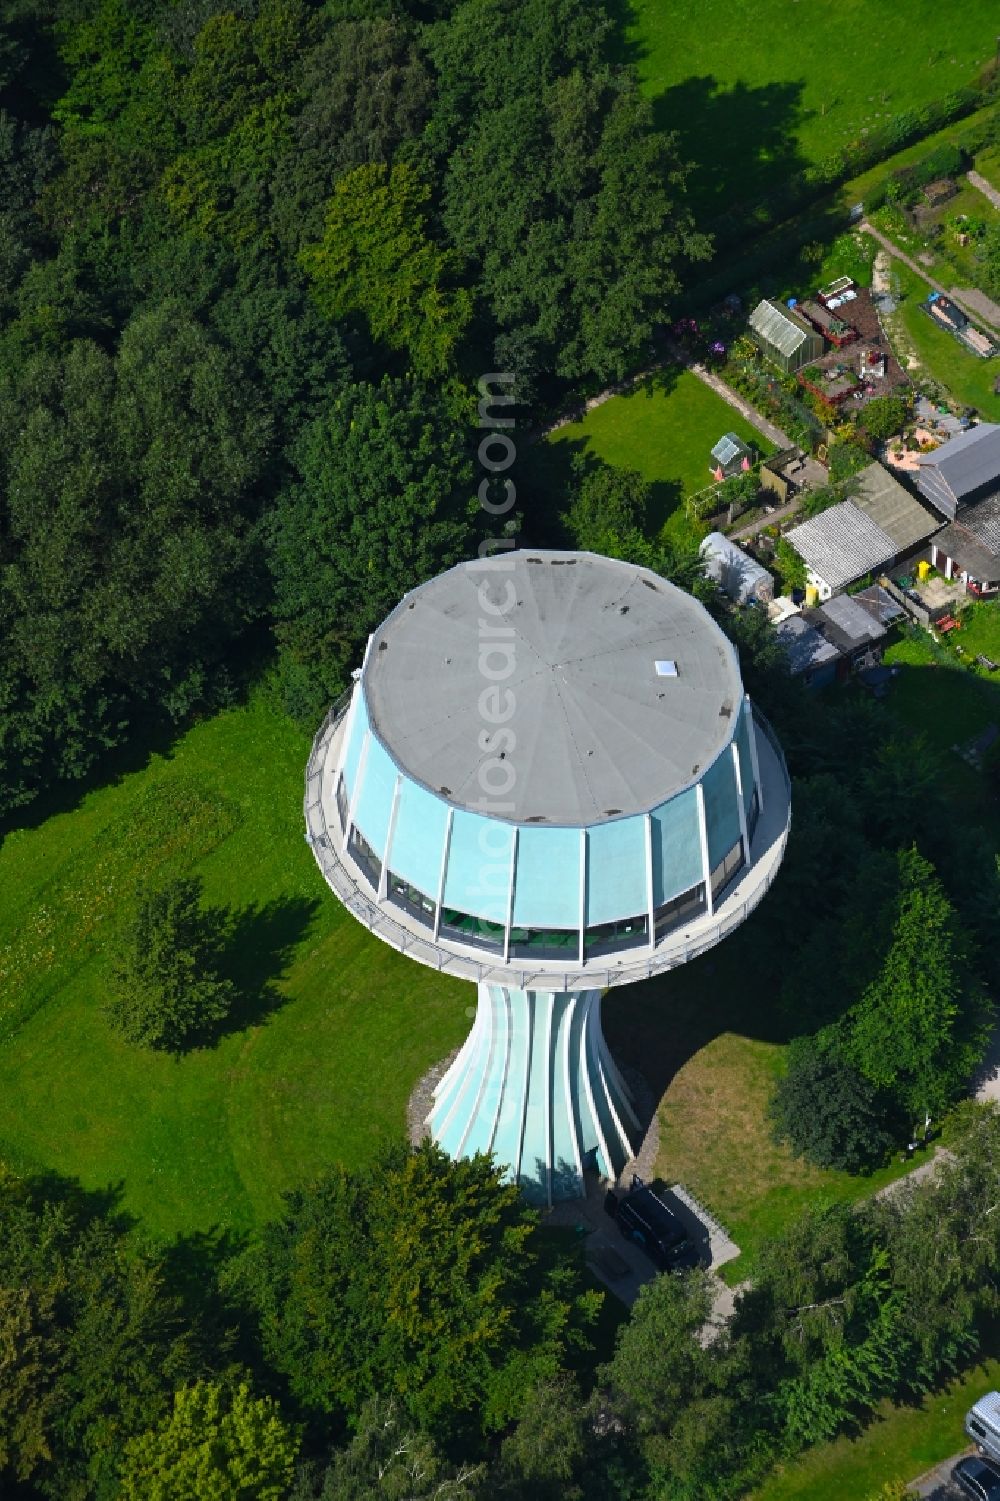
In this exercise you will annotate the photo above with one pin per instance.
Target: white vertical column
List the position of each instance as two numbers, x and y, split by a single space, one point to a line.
752 739
650 904
445 848
703 835
510 898
383 880
740 806
356 791
549 1083
583 895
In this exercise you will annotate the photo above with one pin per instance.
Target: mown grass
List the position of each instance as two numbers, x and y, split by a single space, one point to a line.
968 378
758 90
317 1069
900 1443
665 428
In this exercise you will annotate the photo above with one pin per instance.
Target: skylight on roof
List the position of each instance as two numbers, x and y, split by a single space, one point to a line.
666 669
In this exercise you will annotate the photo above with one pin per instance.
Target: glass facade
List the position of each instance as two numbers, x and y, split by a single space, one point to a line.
545 943
462 927
403 895
609 937
365 858
727 868
679 909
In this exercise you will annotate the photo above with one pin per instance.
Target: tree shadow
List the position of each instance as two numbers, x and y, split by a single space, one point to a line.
741 140
256 947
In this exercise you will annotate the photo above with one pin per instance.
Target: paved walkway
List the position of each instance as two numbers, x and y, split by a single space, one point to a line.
959 296
986 188
773 434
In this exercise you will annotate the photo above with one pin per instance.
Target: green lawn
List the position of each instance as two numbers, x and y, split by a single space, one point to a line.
214 1137
900 1443
757 90
968 378
988 165
665 428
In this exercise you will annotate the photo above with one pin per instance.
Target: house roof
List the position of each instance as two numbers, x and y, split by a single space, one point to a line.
891 506
846 623
783 329
733 569
841 544
804 645
960 467
973 540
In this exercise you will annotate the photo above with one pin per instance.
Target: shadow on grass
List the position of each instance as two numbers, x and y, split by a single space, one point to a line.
149 732
255 951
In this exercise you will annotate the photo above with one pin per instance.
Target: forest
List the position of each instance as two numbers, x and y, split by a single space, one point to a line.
254 258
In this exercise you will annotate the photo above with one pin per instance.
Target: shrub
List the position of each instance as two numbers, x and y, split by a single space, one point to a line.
827 1111
166 990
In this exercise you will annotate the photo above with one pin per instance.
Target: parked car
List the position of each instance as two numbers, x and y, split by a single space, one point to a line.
644 1218
978 1479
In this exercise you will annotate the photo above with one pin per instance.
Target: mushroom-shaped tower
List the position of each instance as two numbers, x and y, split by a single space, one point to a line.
547 779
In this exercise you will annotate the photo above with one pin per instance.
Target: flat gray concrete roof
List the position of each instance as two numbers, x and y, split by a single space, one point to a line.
566 644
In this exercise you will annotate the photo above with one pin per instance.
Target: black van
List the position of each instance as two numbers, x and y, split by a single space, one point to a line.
644 1218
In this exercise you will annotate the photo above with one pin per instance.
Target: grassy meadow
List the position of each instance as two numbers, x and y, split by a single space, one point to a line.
665 428
335 1027
756 91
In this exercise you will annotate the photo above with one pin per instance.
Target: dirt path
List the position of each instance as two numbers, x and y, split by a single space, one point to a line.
986 188
959 296
768 520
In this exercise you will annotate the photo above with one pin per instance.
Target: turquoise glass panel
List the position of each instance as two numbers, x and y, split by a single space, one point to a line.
478 878
722 817
418 838
374 802
677 862
547 879
616 870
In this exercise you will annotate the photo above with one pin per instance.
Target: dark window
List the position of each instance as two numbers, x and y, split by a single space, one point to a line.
342 803
365 857
608 937
410 899
462 927
727 869
679 909
545 943
754 814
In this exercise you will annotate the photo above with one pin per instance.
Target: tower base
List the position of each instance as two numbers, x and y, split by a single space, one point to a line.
535 1085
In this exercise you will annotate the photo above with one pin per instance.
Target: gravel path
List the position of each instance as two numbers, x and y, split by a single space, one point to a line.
986 188
751 415
961 297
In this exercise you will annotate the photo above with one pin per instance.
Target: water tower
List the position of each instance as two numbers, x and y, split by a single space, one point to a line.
546 779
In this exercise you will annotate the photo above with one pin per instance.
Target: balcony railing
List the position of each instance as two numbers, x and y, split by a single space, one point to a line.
326 844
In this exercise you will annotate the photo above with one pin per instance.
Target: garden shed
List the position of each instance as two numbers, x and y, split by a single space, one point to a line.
840 545
731 455
784 337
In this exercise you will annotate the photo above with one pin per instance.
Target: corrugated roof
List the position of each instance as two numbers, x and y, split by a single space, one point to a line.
805 646
841 544
973 540
961 466
891 506
782 329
